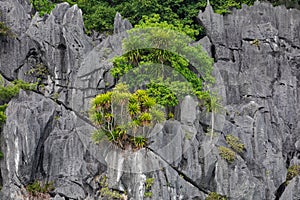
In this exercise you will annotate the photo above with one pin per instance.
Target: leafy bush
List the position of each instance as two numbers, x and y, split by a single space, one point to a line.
151 42
99 14
139 141
122 116
293 171
227 154
235 143
215 196
42 6
36 187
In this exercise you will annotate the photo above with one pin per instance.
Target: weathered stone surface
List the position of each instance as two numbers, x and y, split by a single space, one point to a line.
44 141
292 190
256 55
256 51
188 110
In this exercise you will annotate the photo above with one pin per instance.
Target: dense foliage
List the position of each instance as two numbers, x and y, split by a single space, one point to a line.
159 55
99 14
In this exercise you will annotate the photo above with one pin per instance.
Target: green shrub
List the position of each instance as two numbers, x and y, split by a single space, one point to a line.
146 45
139 141
215 196
235 143
292 172
36 187
108 193
42 6
120 112
148 184
227 154
148 194
5 30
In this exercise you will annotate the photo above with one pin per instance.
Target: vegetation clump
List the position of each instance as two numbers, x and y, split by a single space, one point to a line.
215 196
235 143
108 193
38 189
5 30
150 42
227 154
8 91
182 70
42 6
99 14
293 171
123 117
148 184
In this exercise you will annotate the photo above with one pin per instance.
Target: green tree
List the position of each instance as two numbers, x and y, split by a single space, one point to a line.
99 14
158 46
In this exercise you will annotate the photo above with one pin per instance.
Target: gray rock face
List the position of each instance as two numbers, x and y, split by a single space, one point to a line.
44 141
48 138
256 51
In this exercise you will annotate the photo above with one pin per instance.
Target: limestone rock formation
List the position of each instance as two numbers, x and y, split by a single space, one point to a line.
47 134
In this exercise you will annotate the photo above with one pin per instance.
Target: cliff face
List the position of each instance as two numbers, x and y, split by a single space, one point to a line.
47 136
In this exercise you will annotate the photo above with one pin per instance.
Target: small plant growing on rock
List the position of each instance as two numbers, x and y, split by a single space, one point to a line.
5 30
40 70
123 117
255 43
139 141
148 184
293 171
227 154
108 193
235 143
38 189
215 196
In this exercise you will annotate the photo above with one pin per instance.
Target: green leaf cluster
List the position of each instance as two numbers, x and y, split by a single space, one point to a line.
5 30
99 14
122 116
148 184
8 91
293 171
227 154
42 6
157 47
215 196
235 143
109 193
36 187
